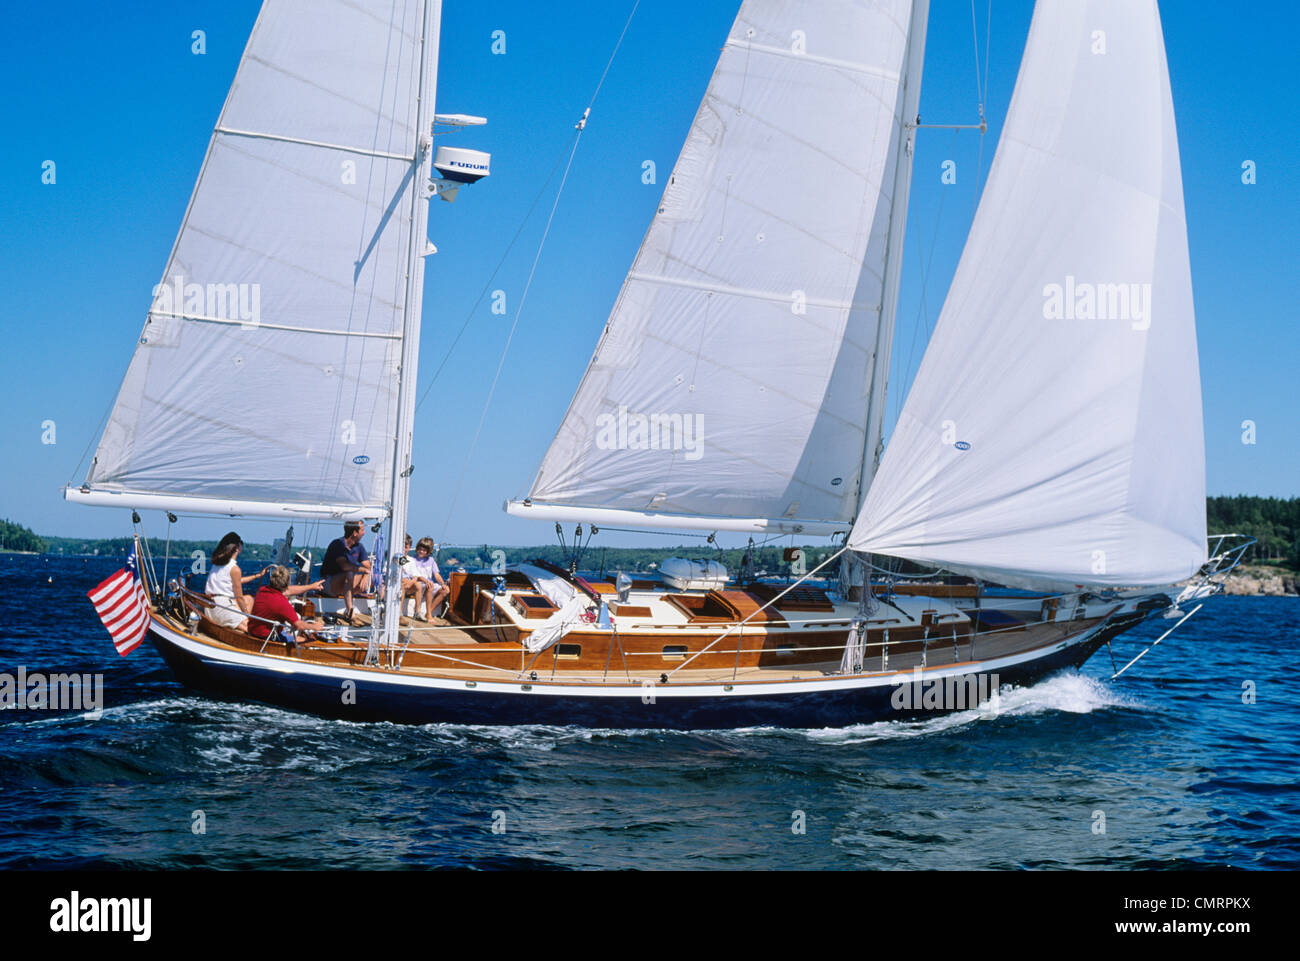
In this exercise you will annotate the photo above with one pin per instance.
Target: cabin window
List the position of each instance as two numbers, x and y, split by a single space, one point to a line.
675 652
568 652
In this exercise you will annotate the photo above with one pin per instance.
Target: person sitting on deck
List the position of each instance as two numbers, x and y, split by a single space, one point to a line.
272 604
225 585
419 575
346 566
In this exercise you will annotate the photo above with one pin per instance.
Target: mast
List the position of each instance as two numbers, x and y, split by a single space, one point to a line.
873 441
411 317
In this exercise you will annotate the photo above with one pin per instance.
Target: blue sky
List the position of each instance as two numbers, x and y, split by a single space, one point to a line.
119 102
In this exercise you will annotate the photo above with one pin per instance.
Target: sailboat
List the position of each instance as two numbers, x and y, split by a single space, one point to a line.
1051 443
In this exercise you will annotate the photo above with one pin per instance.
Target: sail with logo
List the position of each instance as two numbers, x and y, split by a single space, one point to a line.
1053 436
739 384
266 378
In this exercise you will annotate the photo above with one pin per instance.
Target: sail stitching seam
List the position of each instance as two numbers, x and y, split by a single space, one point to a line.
813 58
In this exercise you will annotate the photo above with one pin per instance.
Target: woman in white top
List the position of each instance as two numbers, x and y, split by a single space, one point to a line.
230 605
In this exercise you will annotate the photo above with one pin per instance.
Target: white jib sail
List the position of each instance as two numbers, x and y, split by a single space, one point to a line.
266 376
731 385
1053 434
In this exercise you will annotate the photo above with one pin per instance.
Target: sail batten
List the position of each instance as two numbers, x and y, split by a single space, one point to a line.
234 321
1053 435
734 374
781 297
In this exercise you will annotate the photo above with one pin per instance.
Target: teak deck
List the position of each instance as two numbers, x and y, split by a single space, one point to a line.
602 656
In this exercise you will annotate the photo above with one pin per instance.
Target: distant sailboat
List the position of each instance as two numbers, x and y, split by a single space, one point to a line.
1052 439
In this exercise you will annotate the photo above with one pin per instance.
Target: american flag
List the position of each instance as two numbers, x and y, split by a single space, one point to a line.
121 604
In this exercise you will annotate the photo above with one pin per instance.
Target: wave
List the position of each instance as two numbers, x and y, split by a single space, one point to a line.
1061 693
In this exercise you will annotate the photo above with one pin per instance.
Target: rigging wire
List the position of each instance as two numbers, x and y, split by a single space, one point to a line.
451 507
580 127
975 37
988 32
922 307
981 93
984 90
631 530
488 286
98 431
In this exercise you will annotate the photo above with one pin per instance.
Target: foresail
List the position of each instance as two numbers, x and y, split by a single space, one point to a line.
1053 434
267 370
730 388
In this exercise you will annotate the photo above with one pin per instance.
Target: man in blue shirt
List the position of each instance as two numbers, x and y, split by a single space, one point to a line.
346 567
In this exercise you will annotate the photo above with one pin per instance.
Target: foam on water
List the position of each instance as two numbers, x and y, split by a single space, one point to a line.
1201 776
1068 693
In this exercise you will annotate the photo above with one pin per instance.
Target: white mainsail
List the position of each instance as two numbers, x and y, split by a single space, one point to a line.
1053 435
266 379
731 387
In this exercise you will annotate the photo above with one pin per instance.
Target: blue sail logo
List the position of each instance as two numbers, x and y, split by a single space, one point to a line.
361 459
962 445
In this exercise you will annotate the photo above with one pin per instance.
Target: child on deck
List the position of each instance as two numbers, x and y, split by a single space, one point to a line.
419 575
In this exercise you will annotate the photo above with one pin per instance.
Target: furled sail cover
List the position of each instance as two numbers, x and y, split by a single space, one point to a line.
267 369
1053 434
733 374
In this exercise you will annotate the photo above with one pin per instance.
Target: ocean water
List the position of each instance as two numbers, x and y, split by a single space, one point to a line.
1166 767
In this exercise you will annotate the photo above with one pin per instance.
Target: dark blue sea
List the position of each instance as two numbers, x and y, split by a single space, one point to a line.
1169 760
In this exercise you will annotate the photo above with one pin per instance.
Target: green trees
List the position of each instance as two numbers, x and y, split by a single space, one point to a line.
630 559
118 547
15 537
1274 522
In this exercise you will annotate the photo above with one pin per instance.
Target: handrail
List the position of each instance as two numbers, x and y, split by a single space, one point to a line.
1217 566
446 653
758 610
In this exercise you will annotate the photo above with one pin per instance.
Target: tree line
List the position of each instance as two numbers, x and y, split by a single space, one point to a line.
15 537
1273 521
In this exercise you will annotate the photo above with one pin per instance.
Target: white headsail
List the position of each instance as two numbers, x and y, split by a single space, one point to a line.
731 387
266 377
1053 434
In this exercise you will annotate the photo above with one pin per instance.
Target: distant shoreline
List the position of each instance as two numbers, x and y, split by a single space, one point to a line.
1262 582
1252 581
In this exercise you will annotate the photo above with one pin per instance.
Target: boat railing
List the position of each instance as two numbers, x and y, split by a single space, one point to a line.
462 657
784 622
870 651
1226 552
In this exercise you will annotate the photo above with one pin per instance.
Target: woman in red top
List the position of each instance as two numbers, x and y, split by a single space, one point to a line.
271 604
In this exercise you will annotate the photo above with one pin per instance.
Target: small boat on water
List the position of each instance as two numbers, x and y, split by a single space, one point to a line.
1050 446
